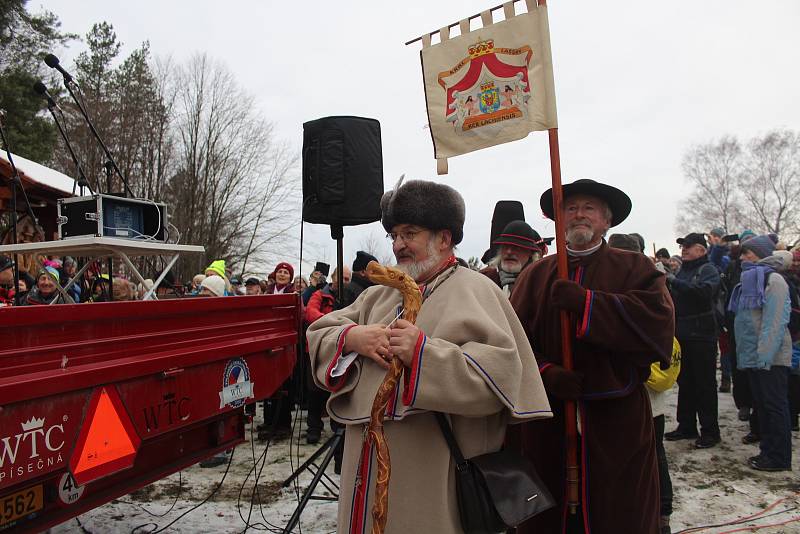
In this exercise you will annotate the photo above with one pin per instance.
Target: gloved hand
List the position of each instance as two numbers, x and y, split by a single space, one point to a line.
568 295
562 384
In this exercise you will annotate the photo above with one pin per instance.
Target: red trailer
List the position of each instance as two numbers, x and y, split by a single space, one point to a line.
97 400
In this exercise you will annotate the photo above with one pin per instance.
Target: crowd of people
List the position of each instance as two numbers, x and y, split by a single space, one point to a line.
638 324
486 350
55 282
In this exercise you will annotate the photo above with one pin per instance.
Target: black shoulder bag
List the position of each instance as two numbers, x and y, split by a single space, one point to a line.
495 491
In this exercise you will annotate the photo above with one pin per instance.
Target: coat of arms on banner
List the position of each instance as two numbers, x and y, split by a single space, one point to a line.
487 88
491 85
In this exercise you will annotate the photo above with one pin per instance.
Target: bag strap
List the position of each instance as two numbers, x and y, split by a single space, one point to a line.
450 438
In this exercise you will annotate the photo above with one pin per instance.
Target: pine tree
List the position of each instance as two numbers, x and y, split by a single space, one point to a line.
24 39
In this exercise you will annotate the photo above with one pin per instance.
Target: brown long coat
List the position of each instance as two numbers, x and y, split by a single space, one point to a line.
627 323
474 363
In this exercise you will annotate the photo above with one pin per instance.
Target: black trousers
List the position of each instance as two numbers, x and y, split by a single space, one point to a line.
770 393
697 388
664 480
742 396
794 396
278 408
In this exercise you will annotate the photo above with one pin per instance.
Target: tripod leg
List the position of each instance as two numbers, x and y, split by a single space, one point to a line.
331 445
325 446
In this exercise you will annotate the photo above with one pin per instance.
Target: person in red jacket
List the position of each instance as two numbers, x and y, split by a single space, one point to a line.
278 408
321 303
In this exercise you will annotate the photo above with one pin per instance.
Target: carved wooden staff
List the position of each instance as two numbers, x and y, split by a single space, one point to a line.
412 302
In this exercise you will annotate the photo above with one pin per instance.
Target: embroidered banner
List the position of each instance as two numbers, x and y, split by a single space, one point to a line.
491 85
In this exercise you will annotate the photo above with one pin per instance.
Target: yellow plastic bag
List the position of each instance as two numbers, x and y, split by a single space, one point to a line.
663 380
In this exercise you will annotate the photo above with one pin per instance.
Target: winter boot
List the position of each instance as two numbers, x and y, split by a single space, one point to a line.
725 385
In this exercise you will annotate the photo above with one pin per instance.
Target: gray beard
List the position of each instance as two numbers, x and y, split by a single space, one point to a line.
514 268
418 269
580 237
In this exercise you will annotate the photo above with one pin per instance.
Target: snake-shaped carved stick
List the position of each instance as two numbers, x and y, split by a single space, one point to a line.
412 301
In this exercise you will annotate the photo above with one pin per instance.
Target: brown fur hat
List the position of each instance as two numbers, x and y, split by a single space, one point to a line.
428 204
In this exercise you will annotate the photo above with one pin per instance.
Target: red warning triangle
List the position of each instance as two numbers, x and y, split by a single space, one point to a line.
108 441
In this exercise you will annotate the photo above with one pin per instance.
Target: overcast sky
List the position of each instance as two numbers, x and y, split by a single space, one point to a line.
637 83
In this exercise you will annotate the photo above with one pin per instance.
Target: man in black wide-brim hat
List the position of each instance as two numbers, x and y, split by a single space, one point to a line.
622 320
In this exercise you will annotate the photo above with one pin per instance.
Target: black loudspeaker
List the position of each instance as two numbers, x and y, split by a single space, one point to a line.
342 171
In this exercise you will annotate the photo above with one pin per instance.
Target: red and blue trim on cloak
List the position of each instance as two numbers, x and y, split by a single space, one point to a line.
331 383
412 376
586 319
358 505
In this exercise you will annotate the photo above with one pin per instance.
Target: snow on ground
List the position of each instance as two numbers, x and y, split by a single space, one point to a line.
711 486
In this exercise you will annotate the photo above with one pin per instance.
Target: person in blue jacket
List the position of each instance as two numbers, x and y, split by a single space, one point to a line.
762 306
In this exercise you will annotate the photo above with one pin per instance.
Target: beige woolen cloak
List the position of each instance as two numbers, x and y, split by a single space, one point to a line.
474 362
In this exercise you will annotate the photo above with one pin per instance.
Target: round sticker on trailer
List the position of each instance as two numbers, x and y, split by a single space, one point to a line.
68 491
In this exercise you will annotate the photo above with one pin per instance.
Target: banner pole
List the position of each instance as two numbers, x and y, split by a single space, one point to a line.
570 414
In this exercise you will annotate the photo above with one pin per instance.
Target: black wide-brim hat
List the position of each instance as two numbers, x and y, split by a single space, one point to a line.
519 234
617 200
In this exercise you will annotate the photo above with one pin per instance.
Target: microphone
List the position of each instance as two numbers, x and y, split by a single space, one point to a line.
53 62
41 89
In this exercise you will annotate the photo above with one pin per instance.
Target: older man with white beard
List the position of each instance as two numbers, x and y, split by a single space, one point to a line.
519 245
466 356
622 320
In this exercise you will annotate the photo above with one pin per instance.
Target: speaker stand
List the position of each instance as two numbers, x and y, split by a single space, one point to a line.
337 233
335 441
329 446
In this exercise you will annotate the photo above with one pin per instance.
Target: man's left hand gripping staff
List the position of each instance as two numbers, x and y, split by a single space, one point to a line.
403 337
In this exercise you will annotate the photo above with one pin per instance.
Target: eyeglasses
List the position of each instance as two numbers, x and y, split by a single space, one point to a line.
407 236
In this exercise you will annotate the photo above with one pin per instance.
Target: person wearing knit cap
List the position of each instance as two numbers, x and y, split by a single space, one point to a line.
212 286
675 263
762 246
321 303
465 356
284 274
694 289
68 269
278 408
745 235
197 280
46 289
6 281
762 307
217 268
358 280
627 242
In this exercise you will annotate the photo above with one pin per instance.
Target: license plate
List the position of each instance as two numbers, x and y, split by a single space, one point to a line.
20 504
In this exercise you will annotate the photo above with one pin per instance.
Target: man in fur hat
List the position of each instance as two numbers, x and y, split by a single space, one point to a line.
621 320
466 356
518 246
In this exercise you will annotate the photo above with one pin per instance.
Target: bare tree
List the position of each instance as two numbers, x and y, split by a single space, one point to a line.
378 246
770 184
235 185
711 170
754 186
